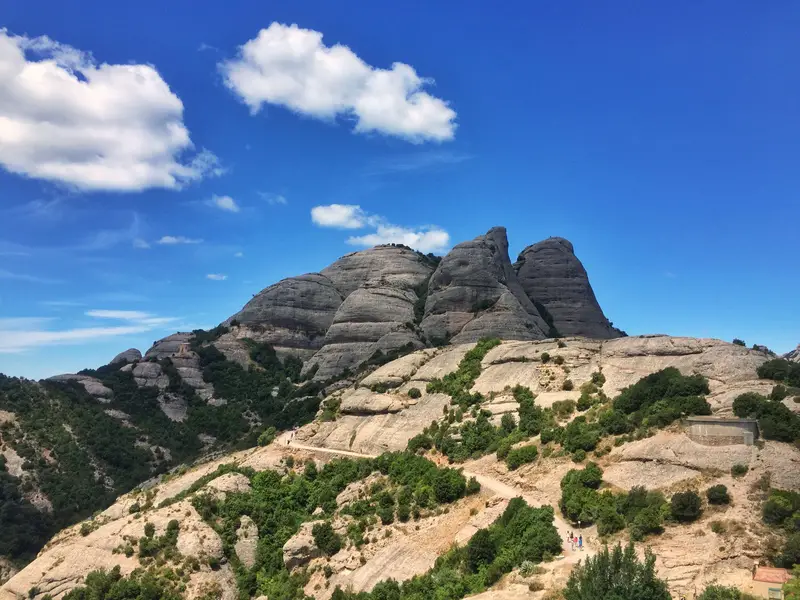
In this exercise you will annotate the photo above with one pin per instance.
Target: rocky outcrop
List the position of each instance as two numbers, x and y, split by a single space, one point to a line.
246 545
794 355
150 374
130 355
300 548
555 280
94 387
475 293
169 346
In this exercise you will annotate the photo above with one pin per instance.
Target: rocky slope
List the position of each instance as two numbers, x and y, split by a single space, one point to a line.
377 414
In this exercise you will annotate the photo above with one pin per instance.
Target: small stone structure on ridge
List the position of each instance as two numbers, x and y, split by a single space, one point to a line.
721 431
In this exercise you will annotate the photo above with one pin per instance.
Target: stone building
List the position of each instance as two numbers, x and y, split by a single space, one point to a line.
721 431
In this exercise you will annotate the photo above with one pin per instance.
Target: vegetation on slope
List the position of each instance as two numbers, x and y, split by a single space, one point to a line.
280 504
522 533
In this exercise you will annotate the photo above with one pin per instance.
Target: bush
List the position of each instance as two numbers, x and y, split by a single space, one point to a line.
448 485
718 592
563 408
567 385
598 378
616 574
777 509
326 539
739 342
149 530
718 494
579 456
507 423
561 344
739 470
267 436
559 360
473 487
481 550
414 393
685 506
86 529
520 456
134 508
545 357
790 555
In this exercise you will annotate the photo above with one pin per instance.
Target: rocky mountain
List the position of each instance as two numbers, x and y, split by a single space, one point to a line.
390 299
794 355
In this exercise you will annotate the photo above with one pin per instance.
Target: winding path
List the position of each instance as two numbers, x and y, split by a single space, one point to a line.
490 483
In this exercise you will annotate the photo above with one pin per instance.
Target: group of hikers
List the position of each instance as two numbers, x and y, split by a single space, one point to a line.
575 541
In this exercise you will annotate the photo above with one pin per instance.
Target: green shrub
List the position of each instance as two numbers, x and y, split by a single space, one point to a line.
567 385
414 393
149 530
598 378
563 408
685 506
579 455
86 529
545 357
718 592
561 344
616 574
559 360
134 508
520 456
739 470
718 494
481 550
507 423
739 342
267 436
473 487
326 539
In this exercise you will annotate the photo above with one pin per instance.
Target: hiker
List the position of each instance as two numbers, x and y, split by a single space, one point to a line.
580 543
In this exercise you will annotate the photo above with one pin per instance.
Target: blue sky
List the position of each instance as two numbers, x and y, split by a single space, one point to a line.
159 162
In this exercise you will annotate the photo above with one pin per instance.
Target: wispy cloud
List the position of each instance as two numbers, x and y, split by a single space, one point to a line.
141 244
426 238
238 255
204 47
18 334
216 276
174 240
424 160
223 203
60 303
26 277
273 199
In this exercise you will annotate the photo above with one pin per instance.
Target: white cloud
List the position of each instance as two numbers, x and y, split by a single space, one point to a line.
18 334
341 216
216 277
141 244
273 199
172 240
429 238
224 203
238 255
289 66
67 119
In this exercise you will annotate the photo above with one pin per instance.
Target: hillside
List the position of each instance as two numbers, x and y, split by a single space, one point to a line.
378 412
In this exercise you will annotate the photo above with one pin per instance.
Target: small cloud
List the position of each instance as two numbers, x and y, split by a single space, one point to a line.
203 47
15 323
224 203
428 238
670 275
417 161
238 255
173 240
273 199
141 244
340 216
128 315
216 277
60 303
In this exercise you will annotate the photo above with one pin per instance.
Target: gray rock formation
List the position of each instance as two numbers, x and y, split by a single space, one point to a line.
294 313
94 387
475 293
130 355
168 346
794 355
150 374
300 548
246 541
555 280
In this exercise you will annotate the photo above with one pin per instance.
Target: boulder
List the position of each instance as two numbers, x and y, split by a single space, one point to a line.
556 282
246 544
475 293
169 346
150 374
300 549
130 355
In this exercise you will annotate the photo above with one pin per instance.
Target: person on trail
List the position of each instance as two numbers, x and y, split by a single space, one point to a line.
580 543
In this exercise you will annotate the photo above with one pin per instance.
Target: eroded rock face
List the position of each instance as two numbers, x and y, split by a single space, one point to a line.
553 277
150 374
300 548
475 293
168 346
794 355
130 355
246 541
